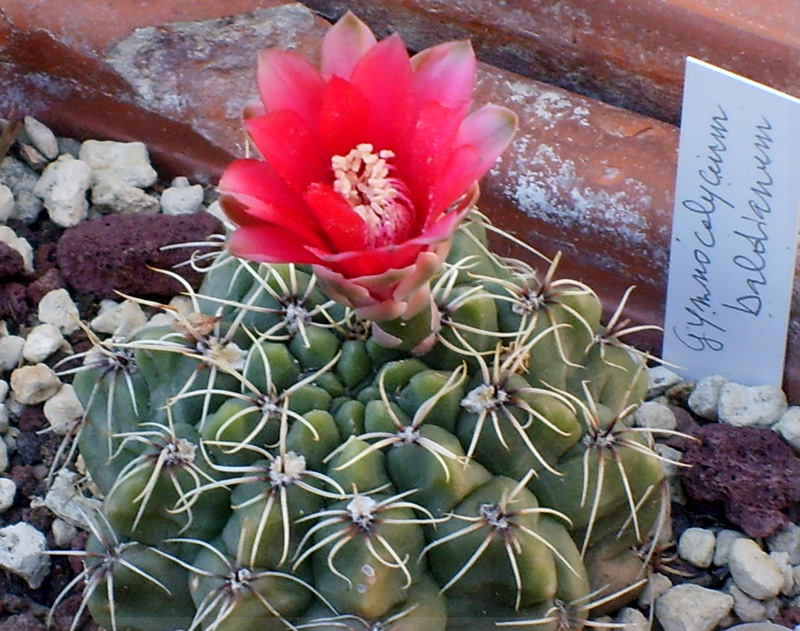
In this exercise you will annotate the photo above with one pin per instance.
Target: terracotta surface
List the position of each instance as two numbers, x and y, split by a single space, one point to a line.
626 53
582 176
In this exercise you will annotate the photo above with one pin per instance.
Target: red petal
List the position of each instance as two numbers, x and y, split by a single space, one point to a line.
445 73
287 81
343 227
370 262
422 162
384 77
269 244
344 44
489 130
255 178
290 147
343 117
460 172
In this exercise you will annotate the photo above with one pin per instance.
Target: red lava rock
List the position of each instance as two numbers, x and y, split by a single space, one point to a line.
114 253
48 281
789 618
22 622
25 478
751 470
13 302
11 261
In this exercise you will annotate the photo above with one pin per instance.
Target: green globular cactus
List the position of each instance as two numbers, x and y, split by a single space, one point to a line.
266 463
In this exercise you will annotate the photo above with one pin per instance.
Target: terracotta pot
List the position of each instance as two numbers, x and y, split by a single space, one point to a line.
582 176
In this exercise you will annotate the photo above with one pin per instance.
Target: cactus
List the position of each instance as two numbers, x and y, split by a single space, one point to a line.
366 420
266 464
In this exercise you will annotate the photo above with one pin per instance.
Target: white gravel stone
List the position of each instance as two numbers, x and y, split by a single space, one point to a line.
782 559
3 456
3 418
786 540
696 546
8 491
56 307
657 585
42 341
118 197
63 533
22 552
660 379
690 607
67 502
41 137
21 245
128 162
655 416
725 539
705 397
63 187
788 426
757 406
749 609
6 203
63 409
182 200
119 318
21 180
34 384
10 351
3 390
633 619
754 571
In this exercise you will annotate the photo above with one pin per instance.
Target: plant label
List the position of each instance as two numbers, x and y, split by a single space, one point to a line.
734 230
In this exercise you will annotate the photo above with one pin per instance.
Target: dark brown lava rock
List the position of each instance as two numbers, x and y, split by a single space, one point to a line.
115 252
11 262
751 470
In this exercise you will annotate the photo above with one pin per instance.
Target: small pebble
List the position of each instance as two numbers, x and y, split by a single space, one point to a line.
782 559
41 137
725 539
3 456
757 406
633 619
654 416
8 492
3 390
749 609
657 585
182 200
696 546
63 188
32 157
705 397
57 308
23 552
118 197
754 571
6 203
42 341
10 352
67 502
788 427
34 384
63 409
786 540
127 162
63 532
659 380
119 319
4 415
690 607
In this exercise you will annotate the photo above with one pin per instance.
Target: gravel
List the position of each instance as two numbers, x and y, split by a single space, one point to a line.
710 575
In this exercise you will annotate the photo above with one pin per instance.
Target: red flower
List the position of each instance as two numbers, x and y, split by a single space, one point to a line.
369 164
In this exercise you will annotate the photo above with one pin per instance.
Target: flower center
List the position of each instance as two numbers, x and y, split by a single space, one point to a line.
364 179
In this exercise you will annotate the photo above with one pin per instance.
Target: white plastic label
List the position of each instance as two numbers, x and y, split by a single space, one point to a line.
734 231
